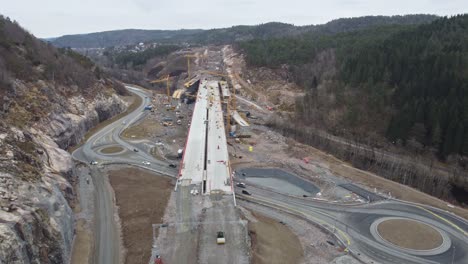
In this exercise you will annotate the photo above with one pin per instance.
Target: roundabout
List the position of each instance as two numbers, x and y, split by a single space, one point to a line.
410 236
386 232
111 150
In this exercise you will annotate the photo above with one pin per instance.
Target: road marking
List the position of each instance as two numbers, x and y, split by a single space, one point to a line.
444 219
348 241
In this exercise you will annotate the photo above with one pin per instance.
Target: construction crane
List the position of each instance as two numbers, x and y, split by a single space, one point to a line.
165 79
189 56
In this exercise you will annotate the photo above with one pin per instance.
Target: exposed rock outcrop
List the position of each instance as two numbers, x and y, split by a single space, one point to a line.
36 176
49 98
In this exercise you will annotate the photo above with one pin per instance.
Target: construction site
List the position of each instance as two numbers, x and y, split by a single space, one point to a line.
163 136
229 189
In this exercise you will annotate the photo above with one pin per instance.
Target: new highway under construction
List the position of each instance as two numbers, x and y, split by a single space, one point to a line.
206 160
223 177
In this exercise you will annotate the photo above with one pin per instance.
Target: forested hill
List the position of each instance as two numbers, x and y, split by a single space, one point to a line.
122 38
24 57
428 68
229 35
28 64
410 80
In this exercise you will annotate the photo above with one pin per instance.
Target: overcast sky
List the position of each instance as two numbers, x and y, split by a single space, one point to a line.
51 18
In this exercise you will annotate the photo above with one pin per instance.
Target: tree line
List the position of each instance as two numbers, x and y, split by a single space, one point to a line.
136 60
415 74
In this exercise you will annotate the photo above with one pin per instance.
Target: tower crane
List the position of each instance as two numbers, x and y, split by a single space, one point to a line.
189 56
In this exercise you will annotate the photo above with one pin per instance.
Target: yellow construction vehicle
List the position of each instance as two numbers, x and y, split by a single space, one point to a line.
168 90
190 82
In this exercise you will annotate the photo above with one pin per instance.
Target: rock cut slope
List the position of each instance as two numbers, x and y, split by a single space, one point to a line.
49 98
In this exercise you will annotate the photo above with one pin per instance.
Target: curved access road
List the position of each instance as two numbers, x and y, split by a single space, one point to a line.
134 154
351 225
106 235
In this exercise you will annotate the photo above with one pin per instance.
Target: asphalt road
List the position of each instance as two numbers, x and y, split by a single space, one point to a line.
107 246
106 227
351 225
110 136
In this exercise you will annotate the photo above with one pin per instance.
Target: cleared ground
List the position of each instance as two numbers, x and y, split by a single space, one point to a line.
142 198
82 244
142 130
271 149
410 234
273 242
111 150
335 166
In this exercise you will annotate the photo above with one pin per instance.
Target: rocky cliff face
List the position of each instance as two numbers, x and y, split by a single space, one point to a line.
36 173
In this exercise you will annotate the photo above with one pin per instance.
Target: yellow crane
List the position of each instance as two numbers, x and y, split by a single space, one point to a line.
190 56
168 90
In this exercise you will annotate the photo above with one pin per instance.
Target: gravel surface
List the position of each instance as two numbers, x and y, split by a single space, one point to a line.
272 241
313 240
223 216
278 180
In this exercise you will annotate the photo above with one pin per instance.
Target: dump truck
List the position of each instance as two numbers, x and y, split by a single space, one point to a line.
220 240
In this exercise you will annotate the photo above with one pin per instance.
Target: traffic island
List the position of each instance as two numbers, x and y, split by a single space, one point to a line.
111 150
410 236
